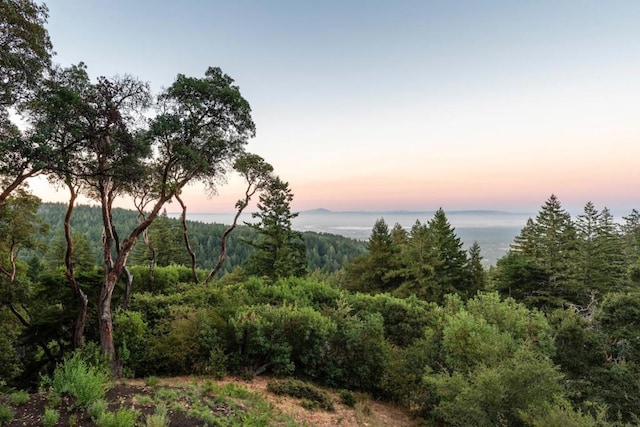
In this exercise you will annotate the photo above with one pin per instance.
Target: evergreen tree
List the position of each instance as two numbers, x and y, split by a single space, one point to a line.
631 247
588 251
417 265
525 242
555 252
280 250
399 235
600 252
555 241
542 263
19 228
84 256
166 238
450 267
377 270
477 273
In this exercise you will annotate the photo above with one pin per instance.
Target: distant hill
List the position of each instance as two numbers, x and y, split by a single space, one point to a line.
324 250
413 212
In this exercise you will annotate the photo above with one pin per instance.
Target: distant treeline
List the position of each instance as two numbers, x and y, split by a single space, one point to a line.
326 252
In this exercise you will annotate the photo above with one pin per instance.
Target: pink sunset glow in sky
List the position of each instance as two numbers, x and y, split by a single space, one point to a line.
379 105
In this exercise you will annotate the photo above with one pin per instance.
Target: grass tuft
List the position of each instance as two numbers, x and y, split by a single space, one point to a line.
18 398
50 417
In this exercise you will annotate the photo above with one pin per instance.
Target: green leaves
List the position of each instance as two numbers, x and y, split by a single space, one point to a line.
281 251
494 363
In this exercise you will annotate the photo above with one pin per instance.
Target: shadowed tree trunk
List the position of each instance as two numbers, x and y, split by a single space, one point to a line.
141 202
223 241
80 296
127 288
185 234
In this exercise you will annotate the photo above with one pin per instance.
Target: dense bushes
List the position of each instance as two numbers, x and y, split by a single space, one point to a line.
284 339
441 359
486 360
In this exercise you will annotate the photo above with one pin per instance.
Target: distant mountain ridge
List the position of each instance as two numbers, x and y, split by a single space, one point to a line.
324 211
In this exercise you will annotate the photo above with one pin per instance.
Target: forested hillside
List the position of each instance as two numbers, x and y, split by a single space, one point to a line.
548 335
325 252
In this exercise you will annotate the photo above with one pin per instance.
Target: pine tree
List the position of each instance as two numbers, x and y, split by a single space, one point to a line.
417 262
370 272
477 273
542 263
450 267
631 246
280 249
166 238
600 259
609 242
525 242
588 251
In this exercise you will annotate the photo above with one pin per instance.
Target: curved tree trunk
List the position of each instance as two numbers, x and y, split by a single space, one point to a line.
241 204
185 234
81 298
140 205
152 261
115 268
106 323
126 299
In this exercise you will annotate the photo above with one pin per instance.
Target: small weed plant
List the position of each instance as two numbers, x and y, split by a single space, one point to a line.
6 414
158 418
348 398
50 417
18 398
53 399
97 408
152 381
124 417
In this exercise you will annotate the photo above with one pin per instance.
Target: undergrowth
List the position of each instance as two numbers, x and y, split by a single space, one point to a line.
312 397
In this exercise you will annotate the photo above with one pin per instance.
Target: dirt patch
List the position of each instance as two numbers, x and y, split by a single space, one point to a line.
136 395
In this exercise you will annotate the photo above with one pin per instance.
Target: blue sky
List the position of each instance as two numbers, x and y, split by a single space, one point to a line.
400 105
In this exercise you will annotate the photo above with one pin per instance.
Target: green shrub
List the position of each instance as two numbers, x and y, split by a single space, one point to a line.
50 417
560 413
10 363
301 390
217 364
97 408
18 398
174 346
286 339
488 362
151 381
158 418
293 291
348 398
495 395
6 414
83 382
53 399
358 355
402 381
124 417
130 331
404 319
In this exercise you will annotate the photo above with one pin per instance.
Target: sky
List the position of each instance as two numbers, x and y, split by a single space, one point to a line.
389 105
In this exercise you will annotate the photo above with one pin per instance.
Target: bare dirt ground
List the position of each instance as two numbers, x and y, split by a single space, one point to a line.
126 393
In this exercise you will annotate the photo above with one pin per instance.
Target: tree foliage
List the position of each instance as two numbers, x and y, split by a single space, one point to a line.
280 250
427 262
